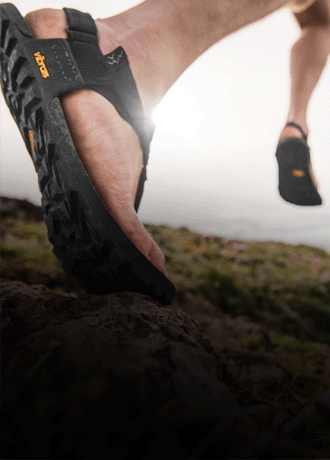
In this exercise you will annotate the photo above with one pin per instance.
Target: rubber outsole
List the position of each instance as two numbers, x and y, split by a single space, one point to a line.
86 238
295 182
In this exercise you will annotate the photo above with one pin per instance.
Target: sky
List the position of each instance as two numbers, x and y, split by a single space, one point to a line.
212 164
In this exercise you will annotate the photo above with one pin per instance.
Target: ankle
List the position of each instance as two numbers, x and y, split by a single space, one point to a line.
142 46
292 131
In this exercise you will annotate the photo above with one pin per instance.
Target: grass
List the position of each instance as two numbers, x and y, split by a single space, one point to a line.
281 286
280 291
26 255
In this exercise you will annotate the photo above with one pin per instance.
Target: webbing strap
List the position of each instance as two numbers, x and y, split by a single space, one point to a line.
109 75
81 26
295 125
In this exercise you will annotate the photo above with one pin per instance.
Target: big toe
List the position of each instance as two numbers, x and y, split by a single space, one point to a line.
134 229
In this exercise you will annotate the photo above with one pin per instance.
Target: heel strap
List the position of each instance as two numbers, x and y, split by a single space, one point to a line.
295 125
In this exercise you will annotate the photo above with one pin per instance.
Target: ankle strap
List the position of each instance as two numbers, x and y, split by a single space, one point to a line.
295 125
81 26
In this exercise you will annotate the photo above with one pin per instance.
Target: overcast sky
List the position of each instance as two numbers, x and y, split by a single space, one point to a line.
212 165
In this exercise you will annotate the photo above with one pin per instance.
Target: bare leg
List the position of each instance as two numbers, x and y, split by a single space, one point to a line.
161 38
308 58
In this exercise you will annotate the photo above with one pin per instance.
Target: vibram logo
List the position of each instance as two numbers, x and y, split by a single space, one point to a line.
298 173
40 60
31 140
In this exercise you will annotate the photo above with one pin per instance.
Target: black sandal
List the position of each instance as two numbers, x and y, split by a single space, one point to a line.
34 73
295 182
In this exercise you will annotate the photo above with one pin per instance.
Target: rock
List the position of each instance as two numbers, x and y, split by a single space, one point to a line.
21 209
78 371
120 376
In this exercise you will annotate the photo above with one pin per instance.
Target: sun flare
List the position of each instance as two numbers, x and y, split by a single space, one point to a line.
207 121
178 114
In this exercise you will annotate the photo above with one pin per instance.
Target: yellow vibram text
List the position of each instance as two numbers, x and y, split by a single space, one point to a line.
298 173
40 60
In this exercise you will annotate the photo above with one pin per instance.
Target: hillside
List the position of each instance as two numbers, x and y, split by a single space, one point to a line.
264 307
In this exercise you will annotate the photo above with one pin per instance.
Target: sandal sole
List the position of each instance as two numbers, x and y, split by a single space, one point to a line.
78 222
295 182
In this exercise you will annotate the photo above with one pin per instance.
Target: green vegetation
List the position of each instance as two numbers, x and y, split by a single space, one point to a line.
275 296
283 287
26 255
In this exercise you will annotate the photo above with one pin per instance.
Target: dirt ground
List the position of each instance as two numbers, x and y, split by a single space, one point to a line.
120 376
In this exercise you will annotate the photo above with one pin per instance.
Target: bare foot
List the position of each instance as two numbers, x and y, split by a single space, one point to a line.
291 131
107 145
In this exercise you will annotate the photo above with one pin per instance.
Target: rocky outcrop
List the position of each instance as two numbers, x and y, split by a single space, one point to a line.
120 376
21 209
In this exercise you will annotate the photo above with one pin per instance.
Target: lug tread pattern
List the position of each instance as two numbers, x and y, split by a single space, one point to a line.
98 265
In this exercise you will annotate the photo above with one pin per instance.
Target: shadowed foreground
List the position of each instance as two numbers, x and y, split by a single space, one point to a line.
121 377
238 367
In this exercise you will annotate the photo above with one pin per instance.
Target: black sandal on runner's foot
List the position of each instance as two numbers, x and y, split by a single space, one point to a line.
295 181
34 73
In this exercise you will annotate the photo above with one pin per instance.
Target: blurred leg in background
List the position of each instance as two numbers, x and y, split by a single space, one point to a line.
308 58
